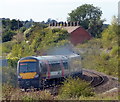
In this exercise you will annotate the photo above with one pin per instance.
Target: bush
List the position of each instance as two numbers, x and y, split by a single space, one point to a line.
7 46
7 36
7 91
114 51
13 62
75 88
39 95
10 93
105 56
9 76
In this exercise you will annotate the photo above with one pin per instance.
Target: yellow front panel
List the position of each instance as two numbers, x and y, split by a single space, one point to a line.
29 75
29 60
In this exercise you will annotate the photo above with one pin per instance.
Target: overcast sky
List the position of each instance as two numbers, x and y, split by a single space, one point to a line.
40 10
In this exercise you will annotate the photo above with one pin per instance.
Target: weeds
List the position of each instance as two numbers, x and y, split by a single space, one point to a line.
10 93
75 88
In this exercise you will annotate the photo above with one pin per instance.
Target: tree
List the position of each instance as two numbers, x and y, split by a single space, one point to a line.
47 38
7 36
50 21
89 17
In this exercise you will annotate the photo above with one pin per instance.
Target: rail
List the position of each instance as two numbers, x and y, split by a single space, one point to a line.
96 79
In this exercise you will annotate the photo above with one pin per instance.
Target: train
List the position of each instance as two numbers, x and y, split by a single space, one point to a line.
40 71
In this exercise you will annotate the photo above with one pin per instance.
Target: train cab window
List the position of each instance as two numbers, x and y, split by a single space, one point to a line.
55 67
25 67
65 64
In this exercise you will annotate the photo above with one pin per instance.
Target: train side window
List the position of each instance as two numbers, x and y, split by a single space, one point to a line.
44 68
55 67
65 64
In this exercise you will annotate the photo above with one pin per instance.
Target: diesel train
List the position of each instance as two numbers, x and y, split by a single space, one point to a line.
37 71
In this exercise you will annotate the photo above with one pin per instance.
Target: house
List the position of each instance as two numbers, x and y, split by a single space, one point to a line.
77 33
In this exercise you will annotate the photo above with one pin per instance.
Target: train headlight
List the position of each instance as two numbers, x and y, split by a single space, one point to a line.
36 76
19 77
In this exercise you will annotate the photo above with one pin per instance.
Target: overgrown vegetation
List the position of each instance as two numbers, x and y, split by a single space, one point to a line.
75 88
33 38
9 76
11 93
102 54
35 41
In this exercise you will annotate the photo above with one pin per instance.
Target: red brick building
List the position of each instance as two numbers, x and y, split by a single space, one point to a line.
77 33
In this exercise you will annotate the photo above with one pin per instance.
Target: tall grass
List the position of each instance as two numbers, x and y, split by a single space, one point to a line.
11 93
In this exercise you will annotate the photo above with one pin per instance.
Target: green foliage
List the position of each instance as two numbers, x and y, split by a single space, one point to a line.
11 93
11 24
7 91
35 96
20 50
75 88
89 18
105 56
110 35
9 76
27 33
47 38
12 62
102 54
96 27
22 29
114 51
7 35
7 46
37 41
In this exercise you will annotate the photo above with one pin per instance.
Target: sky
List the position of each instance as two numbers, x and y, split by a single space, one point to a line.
41 10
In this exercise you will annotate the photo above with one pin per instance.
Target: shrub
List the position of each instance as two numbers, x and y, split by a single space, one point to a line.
7 91
39 95
74 88
11 93
114 51
7 46
105 56
12 62
9 76
7 36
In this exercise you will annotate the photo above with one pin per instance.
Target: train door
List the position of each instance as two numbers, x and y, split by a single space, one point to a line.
55 69
66 68
44 70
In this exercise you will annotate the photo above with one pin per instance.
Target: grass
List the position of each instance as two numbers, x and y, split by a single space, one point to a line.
12 93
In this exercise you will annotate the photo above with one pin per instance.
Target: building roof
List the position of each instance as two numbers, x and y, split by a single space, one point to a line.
70 29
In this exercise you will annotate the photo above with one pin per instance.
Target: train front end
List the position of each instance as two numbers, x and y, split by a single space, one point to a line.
28 73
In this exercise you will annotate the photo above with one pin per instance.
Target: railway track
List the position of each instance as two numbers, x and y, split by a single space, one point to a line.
95 79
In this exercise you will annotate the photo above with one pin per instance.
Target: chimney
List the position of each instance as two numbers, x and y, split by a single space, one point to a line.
59 24
74 24
77 23
53 24
71 23
65 24
62 23
68 23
